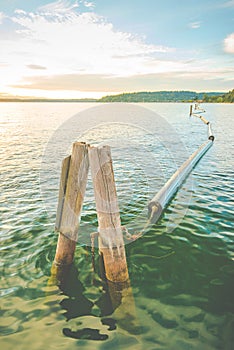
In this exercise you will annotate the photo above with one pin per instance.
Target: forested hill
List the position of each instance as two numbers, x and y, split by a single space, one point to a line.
160 96
228 98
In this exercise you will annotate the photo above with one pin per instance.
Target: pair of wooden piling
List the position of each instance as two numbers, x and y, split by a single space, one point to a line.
71 195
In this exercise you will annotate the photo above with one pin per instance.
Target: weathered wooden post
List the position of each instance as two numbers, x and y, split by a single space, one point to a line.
111 243
71 194
191 110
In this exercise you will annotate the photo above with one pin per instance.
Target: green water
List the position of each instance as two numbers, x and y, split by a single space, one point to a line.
181 270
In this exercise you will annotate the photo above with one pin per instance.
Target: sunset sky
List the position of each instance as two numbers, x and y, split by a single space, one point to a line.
73 49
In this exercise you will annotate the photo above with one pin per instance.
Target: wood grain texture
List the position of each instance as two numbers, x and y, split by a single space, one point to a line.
111 243
75 190
62 190
71 194
65 251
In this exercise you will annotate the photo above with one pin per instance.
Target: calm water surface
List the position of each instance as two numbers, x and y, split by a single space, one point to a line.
181 270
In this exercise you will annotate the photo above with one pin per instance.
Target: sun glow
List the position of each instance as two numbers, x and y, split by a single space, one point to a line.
63 51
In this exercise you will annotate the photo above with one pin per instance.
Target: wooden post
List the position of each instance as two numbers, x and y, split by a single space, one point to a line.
71 194
191 110
111 243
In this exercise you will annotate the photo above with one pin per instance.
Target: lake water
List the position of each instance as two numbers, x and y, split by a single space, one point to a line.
181 293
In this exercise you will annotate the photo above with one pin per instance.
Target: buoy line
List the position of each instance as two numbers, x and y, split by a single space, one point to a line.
160 201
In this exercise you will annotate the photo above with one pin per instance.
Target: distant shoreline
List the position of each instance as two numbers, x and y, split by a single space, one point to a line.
74 101
47 100
142 97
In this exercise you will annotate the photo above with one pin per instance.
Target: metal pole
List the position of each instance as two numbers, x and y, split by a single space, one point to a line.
162 198
210 133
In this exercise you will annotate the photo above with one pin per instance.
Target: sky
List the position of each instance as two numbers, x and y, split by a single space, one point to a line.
79 48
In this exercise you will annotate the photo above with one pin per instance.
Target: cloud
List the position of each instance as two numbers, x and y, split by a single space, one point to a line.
1 17
100 82
36 66
88 82
228 4
80 82
20 12
66 40
229 43
195 25
89 4
80 50
60 6
63 6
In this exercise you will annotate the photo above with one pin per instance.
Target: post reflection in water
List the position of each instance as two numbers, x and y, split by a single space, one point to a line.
115 307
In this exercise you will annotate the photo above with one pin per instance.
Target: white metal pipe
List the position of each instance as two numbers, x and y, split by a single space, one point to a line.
161 199
210 133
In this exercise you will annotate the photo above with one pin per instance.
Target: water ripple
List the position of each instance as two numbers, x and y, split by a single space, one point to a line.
181 270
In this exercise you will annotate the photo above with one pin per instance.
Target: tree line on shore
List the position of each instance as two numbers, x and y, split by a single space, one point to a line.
144 96
170 96
226 98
